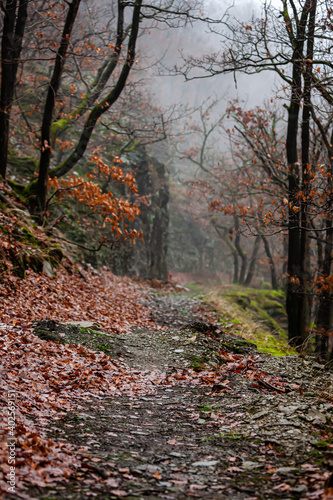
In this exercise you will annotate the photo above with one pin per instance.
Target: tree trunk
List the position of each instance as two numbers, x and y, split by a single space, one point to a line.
159 237
253 261
94 114
293 286
225 238
235 279
324 337
11 46
324 334
241 254
274 280
304 228
105 103
46 150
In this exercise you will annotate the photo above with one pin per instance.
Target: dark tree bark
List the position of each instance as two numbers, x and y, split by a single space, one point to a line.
159 236
306 165
241 253
46 150
294 259
253 261
235 279
12 36
324 313
140 260
96 112
225 237
271 263
324 317
105 103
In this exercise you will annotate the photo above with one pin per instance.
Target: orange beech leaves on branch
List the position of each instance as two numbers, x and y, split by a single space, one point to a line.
117 212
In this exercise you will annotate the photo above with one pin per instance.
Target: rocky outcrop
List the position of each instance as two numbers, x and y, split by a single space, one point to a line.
147 258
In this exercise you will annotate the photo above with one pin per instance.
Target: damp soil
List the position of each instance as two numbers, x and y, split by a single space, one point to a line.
182 441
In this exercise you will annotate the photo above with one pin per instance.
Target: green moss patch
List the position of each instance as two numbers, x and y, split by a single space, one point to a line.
256 315
24 235
198 363
98 341
55 255
267 306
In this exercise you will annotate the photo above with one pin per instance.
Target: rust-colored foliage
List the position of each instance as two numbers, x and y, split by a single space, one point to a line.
47 378
112 210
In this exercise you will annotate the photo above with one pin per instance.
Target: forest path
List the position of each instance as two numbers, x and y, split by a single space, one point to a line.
207 435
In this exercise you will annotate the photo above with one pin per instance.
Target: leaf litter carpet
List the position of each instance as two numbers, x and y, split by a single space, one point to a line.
177 409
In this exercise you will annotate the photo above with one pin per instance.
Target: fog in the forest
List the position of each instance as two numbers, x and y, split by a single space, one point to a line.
225 178
167 46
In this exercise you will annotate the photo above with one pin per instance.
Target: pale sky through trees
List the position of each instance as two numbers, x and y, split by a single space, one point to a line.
197 40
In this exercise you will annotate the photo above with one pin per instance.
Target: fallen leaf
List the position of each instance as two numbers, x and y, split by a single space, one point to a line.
196 486
113 483
172 441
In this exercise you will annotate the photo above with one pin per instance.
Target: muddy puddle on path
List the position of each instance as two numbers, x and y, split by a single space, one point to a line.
227 440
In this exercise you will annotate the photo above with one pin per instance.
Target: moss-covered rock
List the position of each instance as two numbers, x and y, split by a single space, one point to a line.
19 261
26 248
25 164
238 346
257 315
36 263
29 193
25 245
25 235
95 337
266 305
55 255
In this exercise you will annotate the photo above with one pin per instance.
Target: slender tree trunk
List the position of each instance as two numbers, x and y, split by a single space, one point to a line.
235 279
12 37
159 236
324 312
320 249
325 308
274 280
306 166
225 238
102 77
241 254
253 261
105 103
243 258
294 271
46 150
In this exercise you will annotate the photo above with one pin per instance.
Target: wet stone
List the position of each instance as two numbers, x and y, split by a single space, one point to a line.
160 447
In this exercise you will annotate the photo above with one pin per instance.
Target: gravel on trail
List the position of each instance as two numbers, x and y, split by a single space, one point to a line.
231 439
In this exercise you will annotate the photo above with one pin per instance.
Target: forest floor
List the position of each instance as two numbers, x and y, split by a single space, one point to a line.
169 404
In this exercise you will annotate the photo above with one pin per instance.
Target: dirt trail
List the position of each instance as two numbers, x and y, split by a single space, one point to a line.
220 441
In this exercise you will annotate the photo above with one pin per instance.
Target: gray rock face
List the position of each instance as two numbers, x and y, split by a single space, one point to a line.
48 269
85 324
210 463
